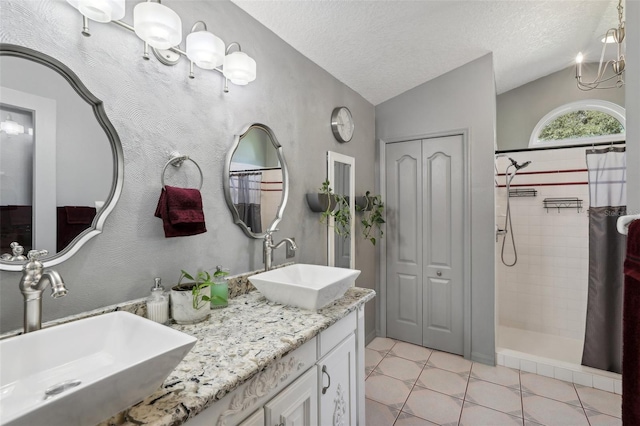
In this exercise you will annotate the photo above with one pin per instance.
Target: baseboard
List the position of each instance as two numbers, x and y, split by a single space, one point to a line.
482 358
369 337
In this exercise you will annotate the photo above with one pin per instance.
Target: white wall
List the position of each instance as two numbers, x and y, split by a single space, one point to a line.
546 291
464 98
156 109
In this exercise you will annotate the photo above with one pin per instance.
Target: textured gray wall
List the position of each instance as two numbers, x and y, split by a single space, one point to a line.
156 109
461 99
520 109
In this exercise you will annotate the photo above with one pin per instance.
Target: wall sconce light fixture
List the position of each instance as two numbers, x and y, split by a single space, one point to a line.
613 35
161 29
11 127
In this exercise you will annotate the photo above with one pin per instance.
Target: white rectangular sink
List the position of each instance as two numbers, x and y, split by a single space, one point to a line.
305 286
91 369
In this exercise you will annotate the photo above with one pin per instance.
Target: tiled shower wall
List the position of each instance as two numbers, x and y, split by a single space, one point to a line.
546 291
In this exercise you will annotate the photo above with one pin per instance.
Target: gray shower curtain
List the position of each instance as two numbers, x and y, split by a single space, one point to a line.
607 201
246 196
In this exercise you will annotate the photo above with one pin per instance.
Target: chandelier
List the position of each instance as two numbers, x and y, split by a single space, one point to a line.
610 73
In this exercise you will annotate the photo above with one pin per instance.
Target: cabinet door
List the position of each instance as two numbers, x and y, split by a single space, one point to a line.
337 372
256 419
297 405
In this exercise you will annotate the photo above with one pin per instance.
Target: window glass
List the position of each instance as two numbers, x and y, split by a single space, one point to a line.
580 122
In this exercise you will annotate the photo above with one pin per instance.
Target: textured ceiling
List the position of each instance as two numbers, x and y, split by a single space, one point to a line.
385 47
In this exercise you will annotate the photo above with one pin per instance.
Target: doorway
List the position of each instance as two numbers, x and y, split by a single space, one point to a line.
427 289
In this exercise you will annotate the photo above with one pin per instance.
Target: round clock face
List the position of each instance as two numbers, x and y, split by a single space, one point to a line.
342 124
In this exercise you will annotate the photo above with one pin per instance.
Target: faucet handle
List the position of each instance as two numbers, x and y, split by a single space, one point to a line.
37 254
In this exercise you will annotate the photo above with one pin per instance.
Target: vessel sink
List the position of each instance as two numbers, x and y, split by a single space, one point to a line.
86 371
304 286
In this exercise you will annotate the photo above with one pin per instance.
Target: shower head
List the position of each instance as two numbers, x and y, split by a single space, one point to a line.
515 164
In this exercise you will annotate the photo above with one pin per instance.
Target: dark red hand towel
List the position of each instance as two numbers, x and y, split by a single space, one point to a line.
80 215
631 329
181 212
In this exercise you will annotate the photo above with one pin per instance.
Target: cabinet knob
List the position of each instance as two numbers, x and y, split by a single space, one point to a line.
324 371
439 273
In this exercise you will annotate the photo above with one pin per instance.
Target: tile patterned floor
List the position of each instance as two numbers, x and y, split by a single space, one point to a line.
409 385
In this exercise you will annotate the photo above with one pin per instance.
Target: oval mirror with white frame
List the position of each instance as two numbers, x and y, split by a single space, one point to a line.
256 180
341 174
61 162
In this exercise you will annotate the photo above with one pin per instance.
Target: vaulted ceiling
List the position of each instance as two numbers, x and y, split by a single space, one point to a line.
381 48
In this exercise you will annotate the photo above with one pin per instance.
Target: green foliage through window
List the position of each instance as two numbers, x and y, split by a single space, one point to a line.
581 124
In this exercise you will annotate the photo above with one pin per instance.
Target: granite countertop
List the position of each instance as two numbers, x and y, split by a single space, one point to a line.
235 344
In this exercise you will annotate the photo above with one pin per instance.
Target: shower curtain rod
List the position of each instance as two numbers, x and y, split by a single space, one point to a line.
582 145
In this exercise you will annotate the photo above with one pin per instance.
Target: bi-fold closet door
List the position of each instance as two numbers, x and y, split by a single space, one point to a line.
425 218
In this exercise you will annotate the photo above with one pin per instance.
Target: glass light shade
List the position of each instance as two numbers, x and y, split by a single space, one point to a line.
239 68
205 49
10 127
158 25
74 3
102 10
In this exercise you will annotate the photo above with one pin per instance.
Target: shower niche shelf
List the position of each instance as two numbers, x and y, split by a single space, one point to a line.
563 203
523 192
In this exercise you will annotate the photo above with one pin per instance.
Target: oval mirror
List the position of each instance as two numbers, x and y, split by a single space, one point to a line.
61 162
256 180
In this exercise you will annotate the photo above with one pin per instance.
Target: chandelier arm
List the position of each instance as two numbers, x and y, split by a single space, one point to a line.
599 78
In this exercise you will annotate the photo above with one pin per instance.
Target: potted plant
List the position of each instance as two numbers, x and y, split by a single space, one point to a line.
372 218
188 301
340 210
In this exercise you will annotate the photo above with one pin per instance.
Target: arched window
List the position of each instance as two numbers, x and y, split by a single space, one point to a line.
581 122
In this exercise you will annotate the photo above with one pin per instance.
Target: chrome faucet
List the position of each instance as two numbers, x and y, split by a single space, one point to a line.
268 247
32 285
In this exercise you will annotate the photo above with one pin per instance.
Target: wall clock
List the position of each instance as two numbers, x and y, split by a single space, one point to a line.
342 124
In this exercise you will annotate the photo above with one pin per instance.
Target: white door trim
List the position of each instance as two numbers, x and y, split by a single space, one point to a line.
381 285
332 158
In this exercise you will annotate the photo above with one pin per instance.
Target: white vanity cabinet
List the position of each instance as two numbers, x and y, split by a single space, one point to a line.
256 419
338 385
320 383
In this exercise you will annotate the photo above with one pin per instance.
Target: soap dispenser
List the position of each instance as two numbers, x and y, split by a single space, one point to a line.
219 289
158 304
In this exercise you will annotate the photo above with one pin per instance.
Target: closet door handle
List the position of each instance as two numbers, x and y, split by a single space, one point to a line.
324 371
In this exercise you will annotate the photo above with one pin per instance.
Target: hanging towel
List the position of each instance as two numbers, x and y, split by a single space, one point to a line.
631 329
181 212
80 215
72 221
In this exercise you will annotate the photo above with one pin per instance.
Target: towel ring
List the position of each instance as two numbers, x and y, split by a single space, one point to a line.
177 162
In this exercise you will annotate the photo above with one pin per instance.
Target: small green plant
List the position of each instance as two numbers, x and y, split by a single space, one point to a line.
372 218
202 281
341 211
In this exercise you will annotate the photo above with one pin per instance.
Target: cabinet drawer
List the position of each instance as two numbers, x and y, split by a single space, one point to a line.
335 334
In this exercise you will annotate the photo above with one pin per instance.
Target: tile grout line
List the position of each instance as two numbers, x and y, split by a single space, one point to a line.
521 396
581 403
466 389
414 386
